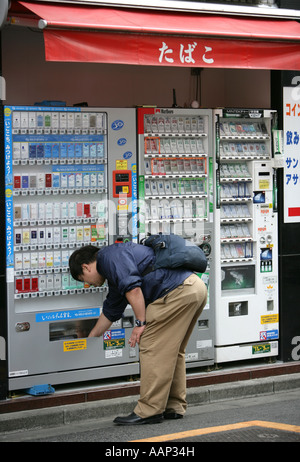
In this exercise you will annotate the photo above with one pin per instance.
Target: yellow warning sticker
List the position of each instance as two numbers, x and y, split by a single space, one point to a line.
72 345
264 184
121 164
269 318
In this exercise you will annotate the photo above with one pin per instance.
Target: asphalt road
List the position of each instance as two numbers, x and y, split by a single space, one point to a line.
265 418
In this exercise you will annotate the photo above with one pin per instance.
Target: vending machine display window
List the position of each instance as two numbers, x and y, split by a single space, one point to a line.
238 277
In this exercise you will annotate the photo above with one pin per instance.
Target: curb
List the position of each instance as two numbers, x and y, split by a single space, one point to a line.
70 414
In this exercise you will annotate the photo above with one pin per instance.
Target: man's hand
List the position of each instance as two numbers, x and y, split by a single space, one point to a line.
102 325
136 335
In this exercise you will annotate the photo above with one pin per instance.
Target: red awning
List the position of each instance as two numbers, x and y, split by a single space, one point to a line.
153 37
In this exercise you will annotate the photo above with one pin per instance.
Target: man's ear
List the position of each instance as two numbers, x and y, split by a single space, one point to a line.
85 267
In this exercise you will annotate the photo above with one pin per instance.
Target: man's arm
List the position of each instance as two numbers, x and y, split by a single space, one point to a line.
102 325
136 299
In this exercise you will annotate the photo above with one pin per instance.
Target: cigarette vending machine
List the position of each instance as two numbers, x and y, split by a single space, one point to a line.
176 194
69 176
246 252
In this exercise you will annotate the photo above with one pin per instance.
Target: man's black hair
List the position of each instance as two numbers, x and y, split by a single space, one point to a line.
86 254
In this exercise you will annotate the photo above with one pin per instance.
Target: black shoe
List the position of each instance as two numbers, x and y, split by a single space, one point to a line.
172 416
134 419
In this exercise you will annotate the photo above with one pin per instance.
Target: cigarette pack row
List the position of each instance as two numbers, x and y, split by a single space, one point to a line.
59 235
44 211
184 166
57 120
46 282
156 145
182 186
175 209
59 180
240 250
173 124
236 231
42 260
234 170
235 190
243 129
243 149
235 211
58 150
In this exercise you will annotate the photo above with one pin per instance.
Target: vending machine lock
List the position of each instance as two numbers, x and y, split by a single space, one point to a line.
206 248
269 238
22 326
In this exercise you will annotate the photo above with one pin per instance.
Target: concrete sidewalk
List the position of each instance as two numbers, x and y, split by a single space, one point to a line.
228 386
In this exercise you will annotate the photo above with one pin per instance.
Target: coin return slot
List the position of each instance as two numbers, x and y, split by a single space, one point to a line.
238 308
127 321
203 324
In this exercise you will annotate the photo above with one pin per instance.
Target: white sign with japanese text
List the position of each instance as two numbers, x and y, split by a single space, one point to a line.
291 126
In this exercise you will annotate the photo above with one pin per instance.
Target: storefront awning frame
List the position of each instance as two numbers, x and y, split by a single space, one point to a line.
191 6
81 33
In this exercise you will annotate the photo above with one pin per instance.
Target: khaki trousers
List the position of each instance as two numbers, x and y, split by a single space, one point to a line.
170 322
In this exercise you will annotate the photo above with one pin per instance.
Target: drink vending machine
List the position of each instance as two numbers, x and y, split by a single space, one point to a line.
246 246
176 195
70 177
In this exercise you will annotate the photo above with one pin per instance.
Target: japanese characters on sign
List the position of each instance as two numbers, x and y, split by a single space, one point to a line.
291 109
184 54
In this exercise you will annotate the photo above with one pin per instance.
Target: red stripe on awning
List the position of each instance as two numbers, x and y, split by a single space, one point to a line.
168 51
153 37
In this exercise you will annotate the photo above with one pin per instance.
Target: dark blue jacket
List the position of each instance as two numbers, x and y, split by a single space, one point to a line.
122 265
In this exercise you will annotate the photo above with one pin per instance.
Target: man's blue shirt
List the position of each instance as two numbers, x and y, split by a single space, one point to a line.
122 265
